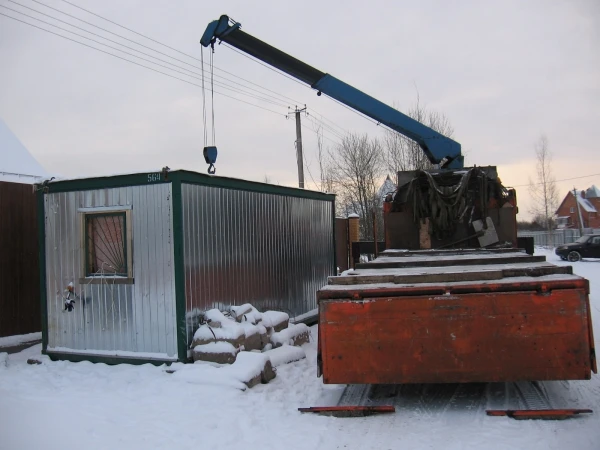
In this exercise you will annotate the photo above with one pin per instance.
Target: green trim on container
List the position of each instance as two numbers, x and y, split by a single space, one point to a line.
182 176
41 212
185 176
111 360
179 271
114 181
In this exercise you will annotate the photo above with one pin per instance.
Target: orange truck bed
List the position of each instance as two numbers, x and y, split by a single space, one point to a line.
455 317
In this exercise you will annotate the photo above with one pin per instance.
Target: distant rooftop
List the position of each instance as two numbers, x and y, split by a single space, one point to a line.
17 165
585 203
592 192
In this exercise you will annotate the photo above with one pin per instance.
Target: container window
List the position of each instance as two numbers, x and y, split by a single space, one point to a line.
106 244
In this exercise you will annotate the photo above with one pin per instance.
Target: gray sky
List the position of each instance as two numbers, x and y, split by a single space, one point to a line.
502 72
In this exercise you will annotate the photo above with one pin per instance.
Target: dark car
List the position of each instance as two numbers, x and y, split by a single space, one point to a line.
587 246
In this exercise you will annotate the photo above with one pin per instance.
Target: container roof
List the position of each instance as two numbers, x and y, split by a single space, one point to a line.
183 176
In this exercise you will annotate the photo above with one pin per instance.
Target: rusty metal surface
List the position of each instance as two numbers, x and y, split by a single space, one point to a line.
490 335
544 414
348 411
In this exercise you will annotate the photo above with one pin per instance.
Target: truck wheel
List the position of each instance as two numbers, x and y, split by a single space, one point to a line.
574 256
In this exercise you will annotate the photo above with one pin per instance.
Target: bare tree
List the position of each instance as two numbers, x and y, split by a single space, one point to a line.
543 189
402 153
355 168
325 182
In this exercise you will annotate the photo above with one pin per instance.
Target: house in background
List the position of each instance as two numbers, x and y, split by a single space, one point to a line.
569 216
19 249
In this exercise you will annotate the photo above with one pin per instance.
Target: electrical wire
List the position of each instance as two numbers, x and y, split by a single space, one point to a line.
557 181
194 58
138 64
160 43
274 100
265 65
344 131
219 83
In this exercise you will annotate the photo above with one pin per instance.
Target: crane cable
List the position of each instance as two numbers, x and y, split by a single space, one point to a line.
212 93
203 97
210 152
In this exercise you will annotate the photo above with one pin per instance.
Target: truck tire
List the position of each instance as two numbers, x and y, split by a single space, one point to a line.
574 256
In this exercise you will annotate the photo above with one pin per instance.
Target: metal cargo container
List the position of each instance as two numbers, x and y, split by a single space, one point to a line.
130 262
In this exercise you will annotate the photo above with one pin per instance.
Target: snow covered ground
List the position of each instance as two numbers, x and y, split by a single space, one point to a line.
9 341
66 405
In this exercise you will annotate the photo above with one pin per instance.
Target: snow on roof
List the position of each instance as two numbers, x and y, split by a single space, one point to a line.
592 192
387 187
16 163
585 203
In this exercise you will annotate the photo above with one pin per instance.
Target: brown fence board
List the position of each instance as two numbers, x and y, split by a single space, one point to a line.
19 261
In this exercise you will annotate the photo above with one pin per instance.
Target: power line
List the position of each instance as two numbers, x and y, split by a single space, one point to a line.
138 64
557 181
265 65
219 83
169 47
345 131
137 50
194 58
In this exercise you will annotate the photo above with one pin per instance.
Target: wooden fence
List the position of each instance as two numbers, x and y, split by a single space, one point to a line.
19 261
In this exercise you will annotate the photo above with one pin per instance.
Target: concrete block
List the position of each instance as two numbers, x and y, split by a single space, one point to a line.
216 352
253 342
229 331
238 312
277 320
296 335
268 372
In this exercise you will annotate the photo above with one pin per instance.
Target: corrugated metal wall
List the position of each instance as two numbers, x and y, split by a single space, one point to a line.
19 261
136 317
273 251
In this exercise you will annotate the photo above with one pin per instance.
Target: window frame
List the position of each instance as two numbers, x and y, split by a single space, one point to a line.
89 278
572 210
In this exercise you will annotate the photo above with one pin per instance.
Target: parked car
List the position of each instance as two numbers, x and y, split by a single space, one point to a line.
587 246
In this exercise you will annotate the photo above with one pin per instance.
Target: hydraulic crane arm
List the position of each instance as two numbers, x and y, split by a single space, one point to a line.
438 148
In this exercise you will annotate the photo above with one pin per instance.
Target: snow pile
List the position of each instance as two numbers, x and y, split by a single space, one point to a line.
285 355
295 334
275 319
219 352
218 327
222 337
251 368
10 341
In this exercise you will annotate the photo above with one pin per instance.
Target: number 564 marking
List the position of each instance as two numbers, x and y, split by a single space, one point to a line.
153 177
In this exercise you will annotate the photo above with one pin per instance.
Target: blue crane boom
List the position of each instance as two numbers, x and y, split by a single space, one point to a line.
439 149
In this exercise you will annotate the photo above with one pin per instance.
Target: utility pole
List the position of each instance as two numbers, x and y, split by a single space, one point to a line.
578 211
299 147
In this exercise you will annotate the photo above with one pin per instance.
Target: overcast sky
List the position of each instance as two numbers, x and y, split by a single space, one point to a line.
503 72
